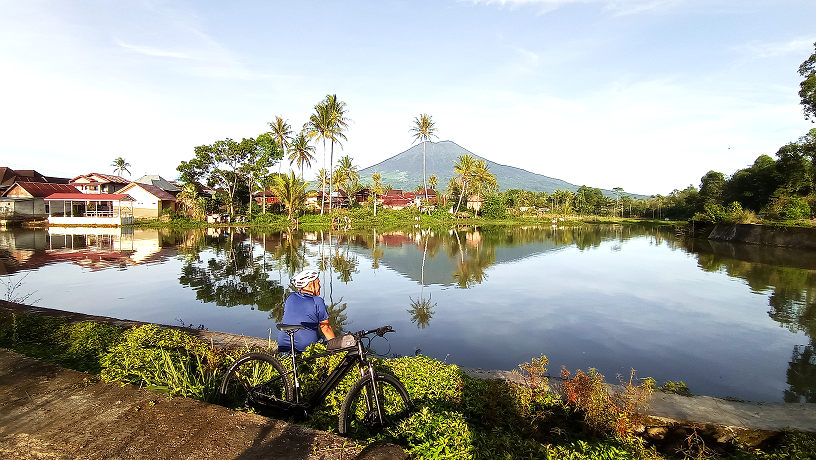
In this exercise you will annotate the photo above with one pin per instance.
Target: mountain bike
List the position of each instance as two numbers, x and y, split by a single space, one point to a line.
375 402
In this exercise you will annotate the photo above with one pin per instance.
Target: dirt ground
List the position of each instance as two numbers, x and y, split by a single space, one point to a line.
47 412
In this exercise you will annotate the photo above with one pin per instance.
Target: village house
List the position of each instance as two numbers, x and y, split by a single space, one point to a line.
160 182
99 183
9 177
149 201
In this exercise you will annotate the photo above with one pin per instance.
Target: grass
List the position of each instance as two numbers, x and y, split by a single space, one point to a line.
457 416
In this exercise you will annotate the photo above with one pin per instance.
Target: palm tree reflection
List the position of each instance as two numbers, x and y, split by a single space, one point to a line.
421 311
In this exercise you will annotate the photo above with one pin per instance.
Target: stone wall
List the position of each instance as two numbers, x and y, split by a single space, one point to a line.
793 237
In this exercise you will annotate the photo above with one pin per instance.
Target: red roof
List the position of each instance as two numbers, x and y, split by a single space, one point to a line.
42 189
106 177
89 197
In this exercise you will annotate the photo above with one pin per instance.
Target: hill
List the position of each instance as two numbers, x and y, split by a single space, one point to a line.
404 170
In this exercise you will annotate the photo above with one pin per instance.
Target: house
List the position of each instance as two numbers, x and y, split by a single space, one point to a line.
395 199
265 194
428 195
160 182
474 202
9 177
149 201
362 195
87 209
38 189
99 183
21 209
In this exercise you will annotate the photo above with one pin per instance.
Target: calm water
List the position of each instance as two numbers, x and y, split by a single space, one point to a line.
729 320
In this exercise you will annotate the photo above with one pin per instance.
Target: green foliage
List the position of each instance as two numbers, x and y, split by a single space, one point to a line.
787 208
679 388
166 360
79 346
493 207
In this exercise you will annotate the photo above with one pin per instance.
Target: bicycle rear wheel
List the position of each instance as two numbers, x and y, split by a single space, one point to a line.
256 381
359 416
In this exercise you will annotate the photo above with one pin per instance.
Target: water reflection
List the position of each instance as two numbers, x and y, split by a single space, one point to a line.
604 290
789 277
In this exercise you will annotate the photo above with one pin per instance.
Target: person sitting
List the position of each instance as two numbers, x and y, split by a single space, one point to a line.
305 308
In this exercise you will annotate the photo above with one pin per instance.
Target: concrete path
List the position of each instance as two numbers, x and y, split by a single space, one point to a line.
50 412
703 410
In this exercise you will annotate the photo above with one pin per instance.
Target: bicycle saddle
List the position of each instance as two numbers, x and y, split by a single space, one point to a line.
289 327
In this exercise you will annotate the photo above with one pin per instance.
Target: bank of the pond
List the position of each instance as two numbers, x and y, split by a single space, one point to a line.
668 421
790 237
386 220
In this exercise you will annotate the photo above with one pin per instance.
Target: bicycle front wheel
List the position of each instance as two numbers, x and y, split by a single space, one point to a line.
360 416
256 381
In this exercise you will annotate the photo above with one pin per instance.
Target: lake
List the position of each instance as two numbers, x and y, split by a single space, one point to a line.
728 320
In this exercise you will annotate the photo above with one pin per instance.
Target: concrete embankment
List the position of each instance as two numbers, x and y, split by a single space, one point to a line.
792 237
664 416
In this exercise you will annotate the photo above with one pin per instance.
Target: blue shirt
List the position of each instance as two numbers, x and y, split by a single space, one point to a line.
302 308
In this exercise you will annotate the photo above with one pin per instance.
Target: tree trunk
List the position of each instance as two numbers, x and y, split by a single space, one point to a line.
331 174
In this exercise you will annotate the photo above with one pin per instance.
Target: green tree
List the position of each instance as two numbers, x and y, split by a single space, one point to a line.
291 191
711 187
301 152
282 133
220 165
463 167
256 167
328 123
423 130
121 166
347 172
376 189
753 187
808 87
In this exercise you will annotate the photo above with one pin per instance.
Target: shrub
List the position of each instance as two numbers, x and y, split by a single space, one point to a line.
493 207
787 208
166 360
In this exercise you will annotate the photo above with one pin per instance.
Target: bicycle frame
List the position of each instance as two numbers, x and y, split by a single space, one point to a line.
358 357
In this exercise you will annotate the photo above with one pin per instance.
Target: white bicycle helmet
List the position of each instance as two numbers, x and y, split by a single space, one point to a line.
302 279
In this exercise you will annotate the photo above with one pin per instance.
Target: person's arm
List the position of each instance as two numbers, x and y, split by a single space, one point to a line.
326 329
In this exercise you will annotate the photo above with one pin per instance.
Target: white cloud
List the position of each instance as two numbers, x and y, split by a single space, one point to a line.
150 51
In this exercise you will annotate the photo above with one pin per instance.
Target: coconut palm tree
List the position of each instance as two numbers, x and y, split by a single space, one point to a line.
483 181
328 123
290 190
282 133
301 152
338 110
121 166
376 189
423 130
464 167
347 171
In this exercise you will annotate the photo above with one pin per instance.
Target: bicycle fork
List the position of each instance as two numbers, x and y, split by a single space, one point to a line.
373 390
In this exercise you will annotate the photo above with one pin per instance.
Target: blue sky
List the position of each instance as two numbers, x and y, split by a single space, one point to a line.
647 95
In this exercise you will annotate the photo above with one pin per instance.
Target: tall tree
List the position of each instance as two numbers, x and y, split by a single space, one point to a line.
423 130
347 172
256 167
340 125
376 189
301 152
483 181
328 123
808 87
121 166
282 133
290 190
219 164
464 168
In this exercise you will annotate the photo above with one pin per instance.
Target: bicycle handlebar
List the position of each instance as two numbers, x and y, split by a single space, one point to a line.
380 331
